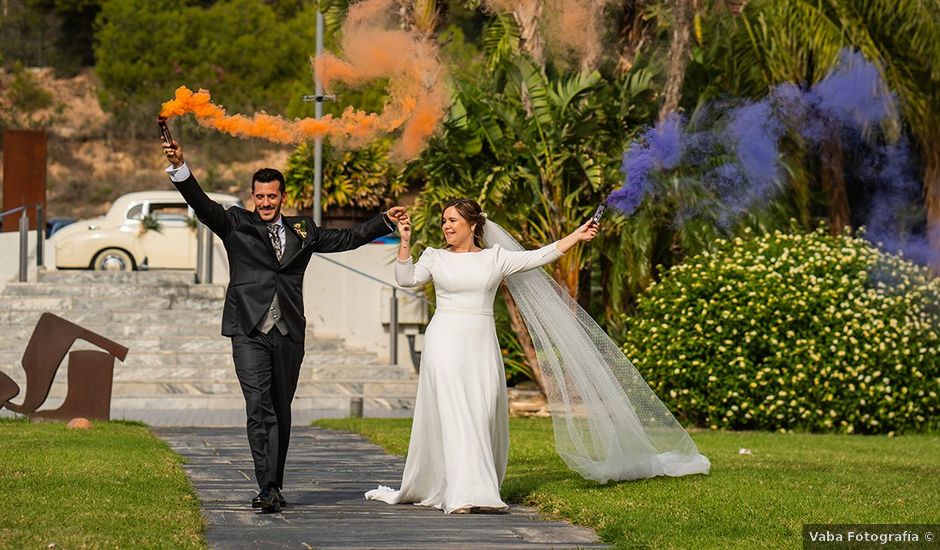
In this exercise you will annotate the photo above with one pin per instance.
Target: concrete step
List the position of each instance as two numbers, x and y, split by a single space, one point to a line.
316 358
336 374
136 330
102 292
234 417
139 344
146 302
221 402
104 315
125 333
308 388
157 277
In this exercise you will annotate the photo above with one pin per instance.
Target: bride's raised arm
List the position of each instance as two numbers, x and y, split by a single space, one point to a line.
407 273
516 261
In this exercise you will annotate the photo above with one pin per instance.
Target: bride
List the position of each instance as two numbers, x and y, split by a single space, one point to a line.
459 443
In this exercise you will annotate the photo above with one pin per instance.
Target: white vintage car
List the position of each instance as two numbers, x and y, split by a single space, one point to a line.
152 228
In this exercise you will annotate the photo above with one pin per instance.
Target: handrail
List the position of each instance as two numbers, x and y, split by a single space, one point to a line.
24 232
17 209
376 279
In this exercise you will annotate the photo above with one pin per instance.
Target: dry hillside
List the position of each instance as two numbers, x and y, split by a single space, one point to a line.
90 163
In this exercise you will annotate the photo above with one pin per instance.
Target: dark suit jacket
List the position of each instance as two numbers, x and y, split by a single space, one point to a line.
254 272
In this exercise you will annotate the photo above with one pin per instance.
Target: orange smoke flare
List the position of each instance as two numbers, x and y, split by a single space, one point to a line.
373 49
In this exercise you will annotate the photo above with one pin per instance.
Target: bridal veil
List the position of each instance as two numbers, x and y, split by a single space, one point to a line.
608 423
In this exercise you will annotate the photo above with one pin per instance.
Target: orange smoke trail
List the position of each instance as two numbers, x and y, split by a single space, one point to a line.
373 49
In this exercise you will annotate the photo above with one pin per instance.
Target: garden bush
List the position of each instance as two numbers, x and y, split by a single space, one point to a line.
793 331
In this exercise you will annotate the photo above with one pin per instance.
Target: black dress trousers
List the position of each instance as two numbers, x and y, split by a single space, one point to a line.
268 366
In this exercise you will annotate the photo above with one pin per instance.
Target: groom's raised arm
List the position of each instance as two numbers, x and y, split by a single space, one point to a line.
207 210
339 240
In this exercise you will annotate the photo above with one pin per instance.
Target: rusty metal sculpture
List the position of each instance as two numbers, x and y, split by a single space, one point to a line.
90 373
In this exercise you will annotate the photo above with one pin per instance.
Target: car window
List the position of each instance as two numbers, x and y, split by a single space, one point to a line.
169 212
135 212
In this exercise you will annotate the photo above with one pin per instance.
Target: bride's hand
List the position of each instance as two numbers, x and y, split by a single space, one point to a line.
404 230
587 231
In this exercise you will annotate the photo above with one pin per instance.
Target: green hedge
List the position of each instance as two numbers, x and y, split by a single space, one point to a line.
801 332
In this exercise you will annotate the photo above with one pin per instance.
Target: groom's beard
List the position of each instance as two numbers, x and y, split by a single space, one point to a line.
266 215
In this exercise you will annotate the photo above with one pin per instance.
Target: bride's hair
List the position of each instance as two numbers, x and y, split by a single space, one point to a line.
469 210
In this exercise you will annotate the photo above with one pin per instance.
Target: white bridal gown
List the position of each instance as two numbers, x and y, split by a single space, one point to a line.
460 436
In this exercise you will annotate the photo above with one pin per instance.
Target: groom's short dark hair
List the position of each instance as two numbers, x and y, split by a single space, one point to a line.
267 175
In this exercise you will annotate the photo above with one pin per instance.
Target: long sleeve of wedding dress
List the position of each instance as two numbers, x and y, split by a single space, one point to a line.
510 262
408 274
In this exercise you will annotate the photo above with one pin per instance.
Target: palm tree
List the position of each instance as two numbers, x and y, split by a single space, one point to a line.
799 41
528 17
678 57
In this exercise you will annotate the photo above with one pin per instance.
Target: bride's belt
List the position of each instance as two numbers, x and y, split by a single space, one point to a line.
465 310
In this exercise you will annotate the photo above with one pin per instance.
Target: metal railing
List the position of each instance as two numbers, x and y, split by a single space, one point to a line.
24 236
205 257
393 305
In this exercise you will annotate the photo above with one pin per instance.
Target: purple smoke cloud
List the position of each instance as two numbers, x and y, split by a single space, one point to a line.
658 148
733 150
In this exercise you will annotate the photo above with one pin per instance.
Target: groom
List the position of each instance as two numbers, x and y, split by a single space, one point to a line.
264 308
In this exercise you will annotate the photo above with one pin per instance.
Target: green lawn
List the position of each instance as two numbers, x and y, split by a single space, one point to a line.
114 486
759 500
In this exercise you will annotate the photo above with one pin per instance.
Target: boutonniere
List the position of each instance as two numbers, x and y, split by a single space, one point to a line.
301 228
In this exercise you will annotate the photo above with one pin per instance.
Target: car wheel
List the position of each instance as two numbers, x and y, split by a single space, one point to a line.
112 259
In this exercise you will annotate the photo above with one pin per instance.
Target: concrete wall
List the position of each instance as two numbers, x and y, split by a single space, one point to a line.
10 256
342 303
337 301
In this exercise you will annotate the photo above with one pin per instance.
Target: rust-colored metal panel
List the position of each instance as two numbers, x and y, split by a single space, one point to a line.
24 174
89 377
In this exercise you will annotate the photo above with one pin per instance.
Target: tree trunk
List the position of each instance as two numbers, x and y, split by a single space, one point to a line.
590 50
419 16
682 11
528 348
832 176
567 270
932 200
528 15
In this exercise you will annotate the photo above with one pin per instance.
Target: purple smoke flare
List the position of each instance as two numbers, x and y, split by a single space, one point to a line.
658 148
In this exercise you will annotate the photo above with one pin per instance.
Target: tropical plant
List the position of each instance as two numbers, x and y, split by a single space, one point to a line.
362 178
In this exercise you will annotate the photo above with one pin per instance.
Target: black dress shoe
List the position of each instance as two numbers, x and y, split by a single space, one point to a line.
268 500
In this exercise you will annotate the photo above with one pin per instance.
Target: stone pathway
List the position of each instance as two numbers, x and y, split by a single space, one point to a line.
327 474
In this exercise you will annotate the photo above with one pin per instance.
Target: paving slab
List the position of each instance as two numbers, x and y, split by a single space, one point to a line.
327 473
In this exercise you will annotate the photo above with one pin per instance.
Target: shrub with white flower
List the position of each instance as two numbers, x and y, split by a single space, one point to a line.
805 332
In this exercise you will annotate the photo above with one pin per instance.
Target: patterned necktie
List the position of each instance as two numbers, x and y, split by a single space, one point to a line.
275 240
